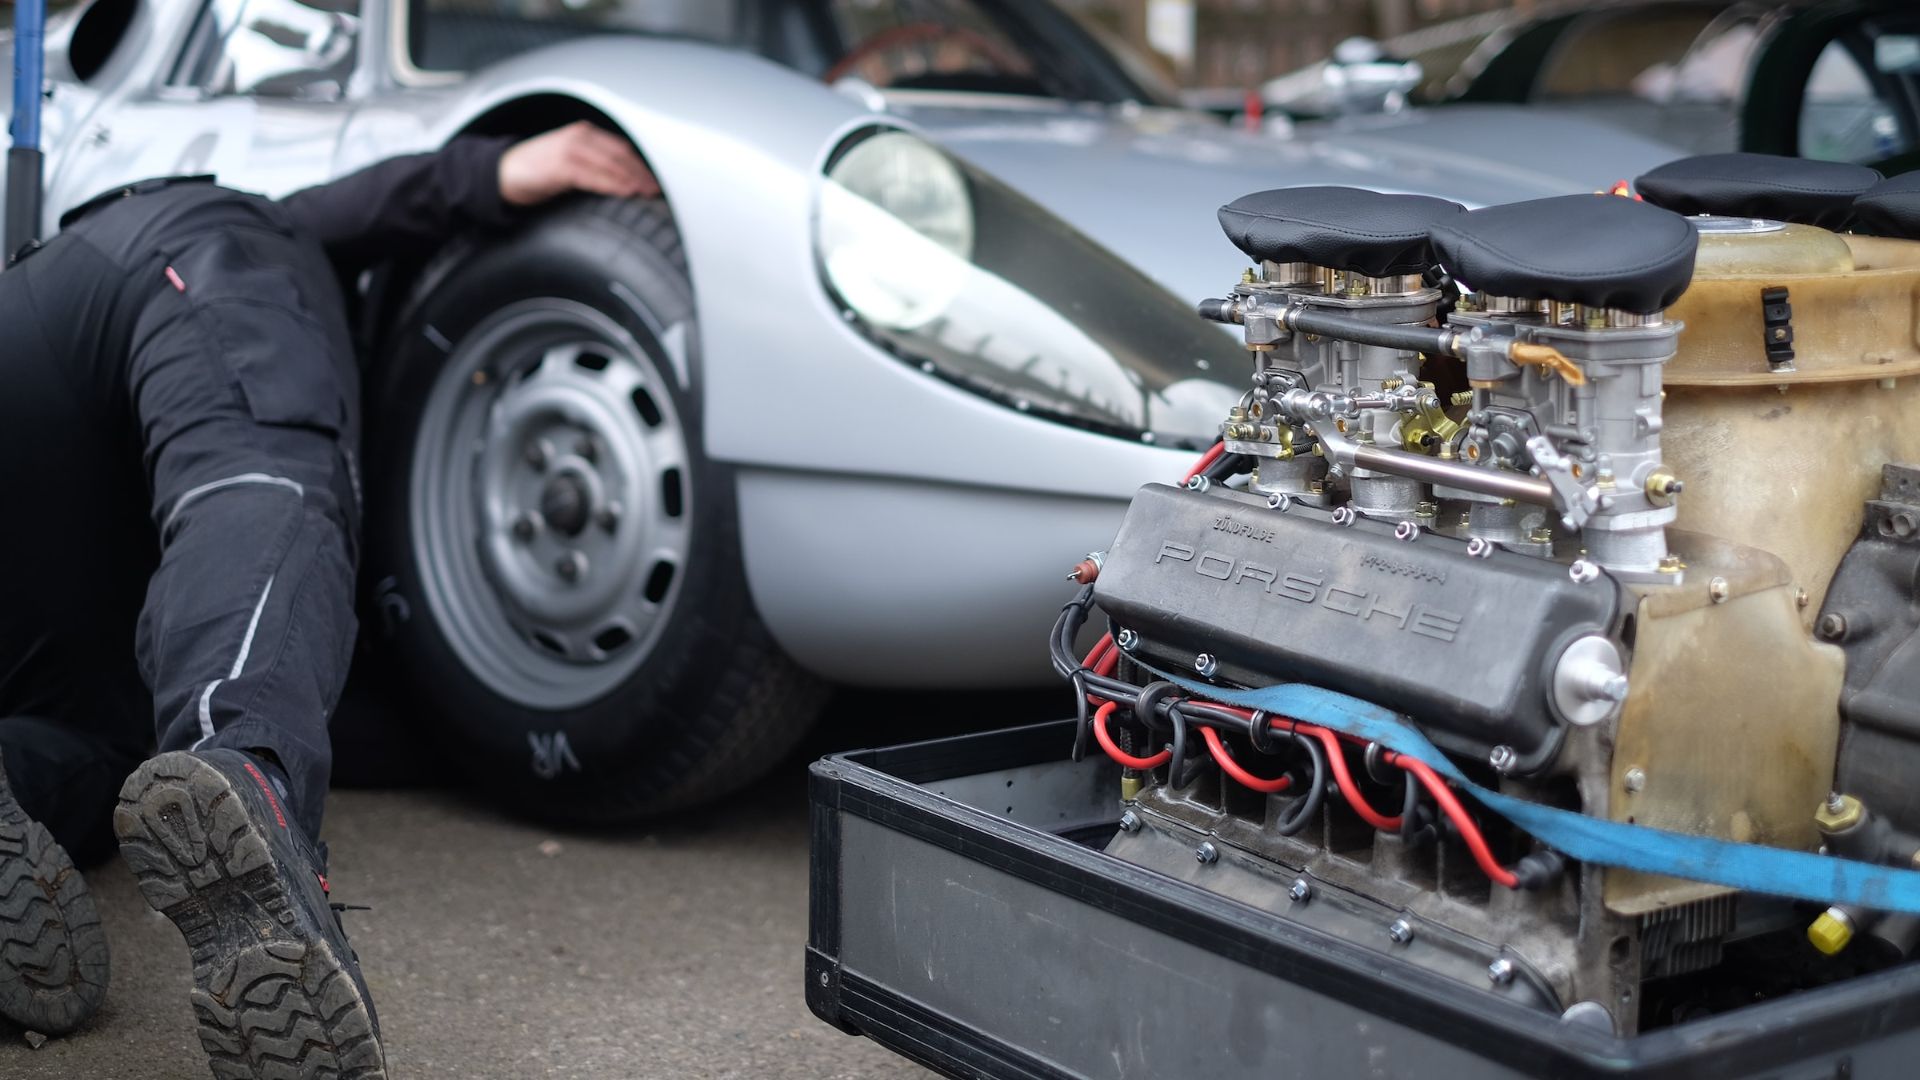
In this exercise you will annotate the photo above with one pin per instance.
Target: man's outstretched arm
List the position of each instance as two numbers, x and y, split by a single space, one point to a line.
420 201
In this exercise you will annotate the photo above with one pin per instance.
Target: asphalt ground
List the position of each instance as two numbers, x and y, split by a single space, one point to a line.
495 948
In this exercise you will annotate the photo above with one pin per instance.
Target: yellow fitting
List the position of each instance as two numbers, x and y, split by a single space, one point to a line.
1525 354
1831 932
1130 785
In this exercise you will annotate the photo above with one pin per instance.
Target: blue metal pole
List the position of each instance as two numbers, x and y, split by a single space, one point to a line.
24 157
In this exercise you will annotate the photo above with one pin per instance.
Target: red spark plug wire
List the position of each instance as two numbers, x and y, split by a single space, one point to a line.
1232 768
1469 832
1113 750
1212 455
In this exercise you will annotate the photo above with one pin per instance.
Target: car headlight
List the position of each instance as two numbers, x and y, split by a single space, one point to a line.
895 230
949 269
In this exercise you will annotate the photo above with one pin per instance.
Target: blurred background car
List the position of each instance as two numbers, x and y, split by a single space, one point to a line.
1837 80
909 325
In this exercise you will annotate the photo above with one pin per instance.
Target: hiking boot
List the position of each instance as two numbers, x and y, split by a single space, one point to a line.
53 954
277 989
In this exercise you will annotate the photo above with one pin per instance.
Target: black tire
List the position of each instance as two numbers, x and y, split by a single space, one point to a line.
713 703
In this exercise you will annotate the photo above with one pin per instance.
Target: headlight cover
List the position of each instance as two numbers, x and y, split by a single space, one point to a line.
954 272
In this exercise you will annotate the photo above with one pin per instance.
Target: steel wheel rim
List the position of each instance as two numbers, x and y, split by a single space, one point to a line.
551 503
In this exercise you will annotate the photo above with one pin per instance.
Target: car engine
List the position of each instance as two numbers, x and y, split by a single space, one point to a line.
1583 538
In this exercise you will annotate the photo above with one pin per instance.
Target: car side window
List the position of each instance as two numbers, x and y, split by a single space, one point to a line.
299 49
928 44
1845 115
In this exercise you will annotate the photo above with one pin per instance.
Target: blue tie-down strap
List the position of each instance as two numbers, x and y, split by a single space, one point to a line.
1752 867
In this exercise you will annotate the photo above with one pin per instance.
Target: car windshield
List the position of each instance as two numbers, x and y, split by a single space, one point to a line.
1018 47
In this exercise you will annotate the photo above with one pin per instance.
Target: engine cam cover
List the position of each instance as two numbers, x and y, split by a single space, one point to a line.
1466 646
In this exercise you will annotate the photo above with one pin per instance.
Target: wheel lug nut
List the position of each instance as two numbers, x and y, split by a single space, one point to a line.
571 567
587 449
609 516
524 527
538 454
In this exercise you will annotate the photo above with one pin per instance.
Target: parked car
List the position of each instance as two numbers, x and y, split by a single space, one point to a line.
643 476
1837 80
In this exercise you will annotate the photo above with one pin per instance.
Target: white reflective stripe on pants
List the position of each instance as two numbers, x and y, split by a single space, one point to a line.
239 664
231 481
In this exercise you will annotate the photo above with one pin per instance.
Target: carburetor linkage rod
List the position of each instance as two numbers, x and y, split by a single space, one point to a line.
1434 341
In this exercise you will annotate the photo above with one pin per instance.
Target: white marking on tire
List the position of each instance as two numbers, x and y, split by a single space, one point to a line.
552 754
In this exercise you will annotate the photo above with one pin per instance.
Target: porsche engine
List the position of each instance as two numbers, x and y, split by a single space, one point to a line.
1613 506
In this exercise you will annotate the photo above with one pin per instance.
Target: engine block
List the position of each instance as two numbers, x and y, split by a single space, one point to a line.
1544 480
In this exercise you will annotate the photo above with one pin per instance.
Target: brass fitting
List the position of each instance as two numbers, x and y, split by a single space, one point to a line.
1838 814
1130 785
1663 487
1672 565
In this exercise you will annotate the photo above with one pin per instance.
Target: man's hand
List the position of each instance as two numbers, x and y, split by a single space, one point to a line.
578 157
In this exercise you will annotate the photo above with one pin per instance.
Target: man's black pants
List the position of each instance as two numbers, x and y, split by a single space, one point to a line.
179 501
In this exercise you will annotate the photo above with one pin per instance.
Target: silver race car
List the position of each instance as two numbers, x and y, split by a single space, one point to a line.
909 326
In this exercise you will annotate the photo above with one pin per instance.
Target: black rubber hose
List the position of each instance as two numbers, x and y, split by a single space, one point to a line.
1178 773
1415 826
1083 727
1425 339
1307 809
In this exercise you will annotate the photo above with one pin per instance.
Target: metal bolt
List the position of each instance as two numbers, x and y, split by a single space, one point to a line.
1343 516
609 516
1635 780
538 454
1300 892
1401 931
1801 599
571 566
587 449
824 980
1206 665
524 527
1832 626
1206 853
1500 971
1199 483
1718 589
1280 502
1407 531
1127 639
1502 758
1582 571
1480 548
1541 535
1129 822
1615 689
1835 802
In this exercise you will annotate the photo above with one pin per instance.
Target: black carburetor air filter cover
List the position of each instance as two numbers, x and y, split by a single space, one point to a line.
1603 251
1890 208
1759 185
1342 228
1463 645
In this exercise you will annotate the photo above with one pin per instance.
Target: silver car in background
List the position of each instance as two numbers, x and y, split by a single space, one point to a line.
908 327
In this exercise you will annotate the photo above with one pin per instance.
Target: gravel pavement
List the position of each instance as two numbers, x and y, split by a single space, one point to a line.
500 949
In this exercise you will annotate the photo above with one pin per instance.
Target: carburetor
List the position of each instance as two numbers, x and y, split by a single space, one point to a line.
1458 490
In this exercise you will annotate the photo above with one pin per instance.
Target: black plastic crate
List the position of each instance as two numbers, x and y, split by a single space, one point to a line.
963 915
